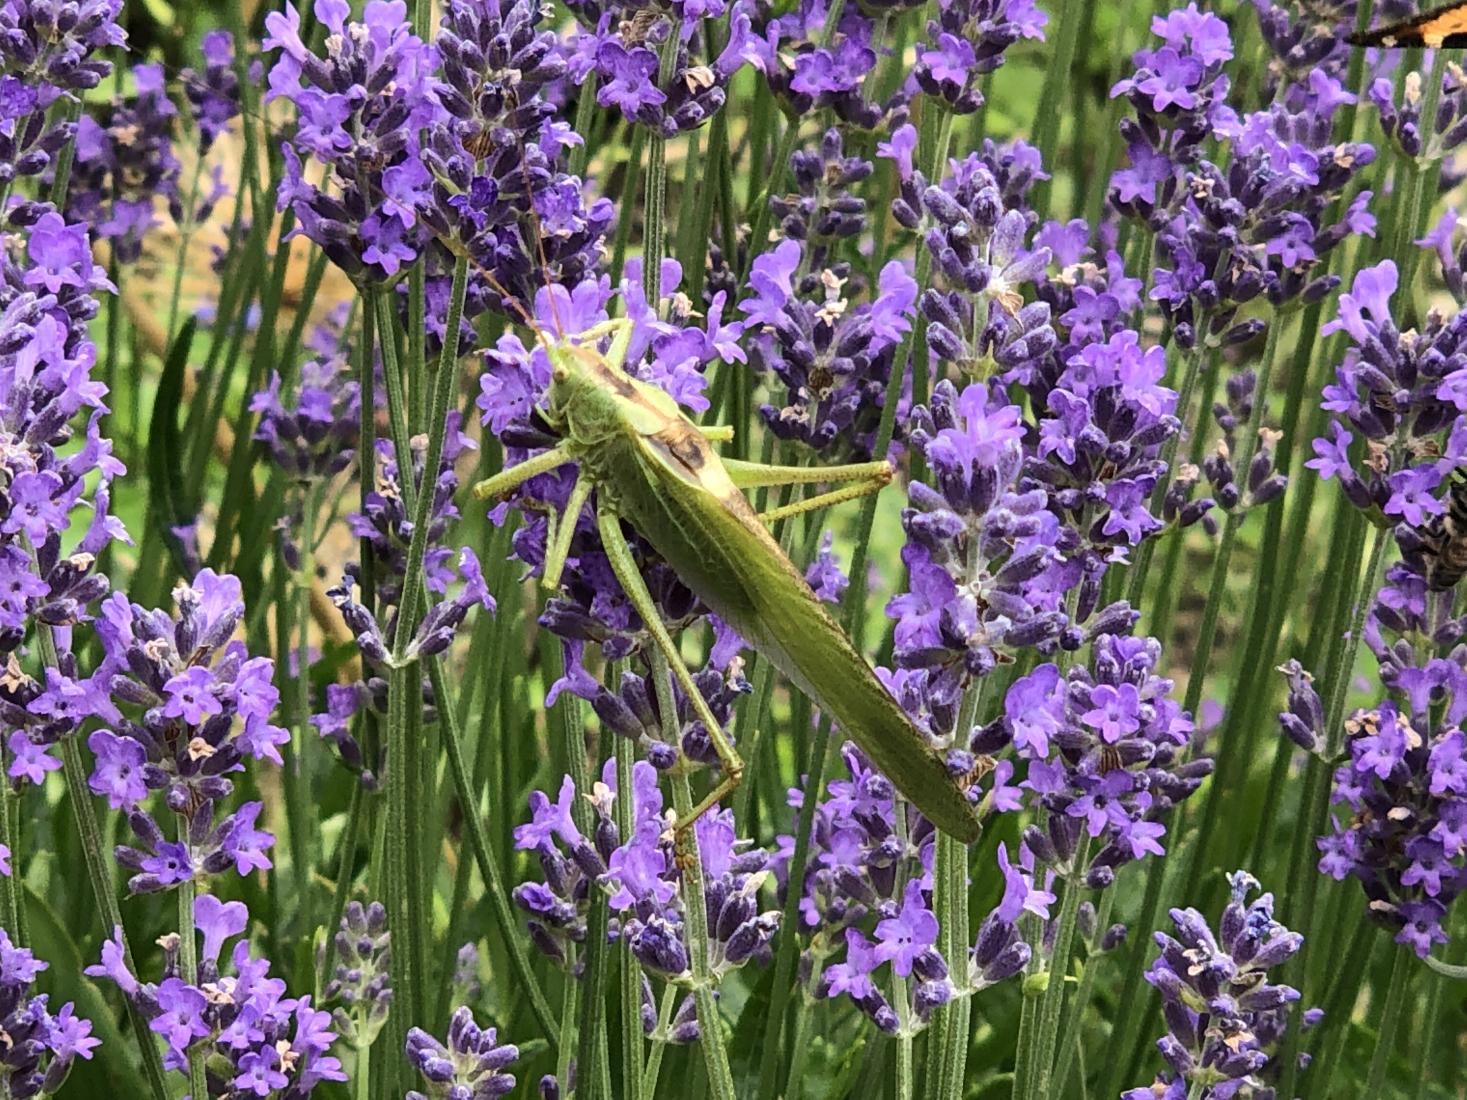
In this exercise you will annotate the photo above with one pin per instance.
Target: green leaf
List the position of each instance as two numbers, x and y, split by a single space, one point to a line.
167 496
115 1070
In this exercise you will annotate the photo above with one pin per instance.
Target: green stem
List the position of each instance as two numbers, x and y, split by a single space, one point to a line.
585 114
951 903
10 889
188 961
654 226
346 850
659 1040
61 179
180 256
1053 1000
489 870
695 911
1048 115
1071 1033
299 805
1344 987
1390 1018
630 972
361 1077
784 964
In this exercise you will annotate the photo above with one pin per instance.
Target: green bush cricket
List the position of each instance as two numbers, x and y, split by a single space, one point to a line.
649 463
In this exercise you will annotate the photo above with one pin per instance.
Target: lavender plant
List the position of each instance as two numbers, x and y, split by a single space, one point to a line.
1153 318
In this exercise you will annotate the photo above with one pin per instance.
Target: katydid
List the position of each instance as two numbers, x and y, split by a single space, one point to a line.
648 462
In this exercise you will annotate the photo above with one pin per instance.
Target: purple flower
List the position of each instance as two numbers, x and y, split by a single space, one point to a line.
473 1062
1225 1021
29 760
243 1021
197 705
42 1045
902 938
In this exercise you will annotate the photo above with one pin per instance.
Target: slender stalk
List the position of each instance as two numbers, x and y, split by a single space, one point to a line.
951 903
1071 1032
659 1040
188 961
405 886
710 1024
184 236
1356 961
784 964
1053 1000
1390 1018
630 972
361 1077
569 1000
654 228
483 855
10 889
346 851
299 805
1048 114
61 178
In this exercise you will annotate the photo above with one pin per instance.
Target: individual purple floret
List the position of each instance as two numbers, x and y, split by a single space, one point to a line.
471 1066
1405 394
185 705
125 164
257 1040
48 53
361 986
966 42
41 1046
1224 1019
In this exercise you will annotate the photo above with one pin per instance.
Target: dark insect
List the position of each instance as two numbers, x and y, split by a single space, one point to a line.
1444 540
1110 759
1443 27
